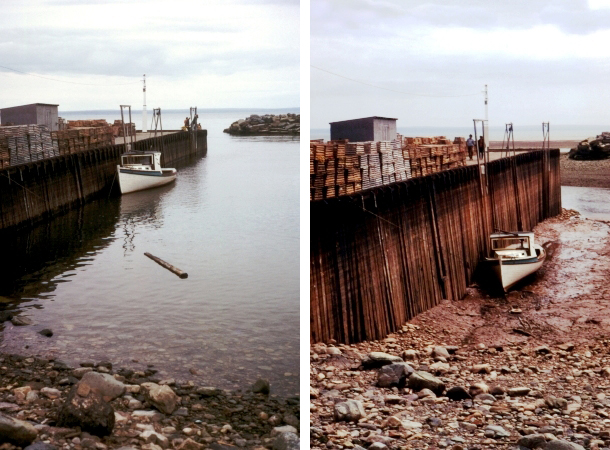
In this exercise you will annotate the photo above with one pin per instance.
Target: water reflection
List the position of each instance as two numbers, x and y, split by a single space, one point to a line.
55 248
140 209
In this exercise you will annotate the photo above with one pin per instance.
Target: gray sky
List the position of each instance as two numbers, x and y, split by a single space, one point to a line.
212 54
546 60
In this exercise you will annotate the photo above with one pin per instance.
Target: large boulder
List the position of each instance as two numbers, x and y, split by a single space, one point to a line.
394 374
532 441
106 385
286 441
161 397
423 380
190 444
562 445
349 411
261 386
374 360
457 393
40 446
16 431
88 411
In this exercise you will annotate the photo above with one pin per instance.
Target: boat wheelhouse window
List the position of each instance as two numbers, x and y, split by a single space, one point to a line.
138 160
521 243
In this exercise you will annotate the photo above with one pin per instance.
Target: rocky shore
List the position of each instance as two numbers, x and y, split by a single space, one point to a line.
592 148
528 370
47 404
267 125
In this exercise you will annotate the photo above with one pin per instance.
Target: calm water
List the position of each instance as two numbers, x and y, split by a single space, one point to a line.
231 221
591 203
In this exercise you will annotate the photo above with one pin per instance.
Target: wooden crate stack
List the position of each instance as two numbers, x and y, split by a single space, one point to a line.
341 167
434 154
87 123
82 135
21 144
117 128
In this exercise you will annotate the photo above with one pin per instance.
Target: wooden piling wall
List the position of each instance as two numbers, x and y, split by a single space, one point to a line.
383 256
33 191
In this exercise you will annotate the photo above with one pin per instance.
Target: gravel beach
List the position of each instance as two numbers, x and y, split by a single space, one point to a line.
47 404
527 370
585 173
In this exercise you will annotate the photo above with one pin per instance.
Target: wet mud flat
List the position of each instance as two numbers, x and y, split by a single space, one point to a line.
525 370
49 404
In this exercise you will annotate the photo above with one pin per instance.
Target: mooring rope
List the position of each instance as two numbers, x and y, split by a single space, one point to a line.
370 212
17 183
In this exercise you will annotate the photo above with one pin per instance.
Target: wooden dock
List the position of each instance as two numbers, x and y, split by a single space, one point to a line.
382 256
35 190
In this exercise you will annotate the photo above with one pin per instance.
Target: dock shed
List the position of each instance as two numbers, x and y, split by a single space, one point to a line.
366 129
33 114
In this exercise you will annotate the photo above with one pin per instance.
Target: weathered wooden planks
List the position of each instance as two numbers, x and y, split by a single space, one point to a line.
383 256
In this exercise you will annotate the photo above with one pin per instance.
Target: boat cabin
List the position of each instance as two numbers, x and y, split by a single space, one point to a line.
141 160
514 245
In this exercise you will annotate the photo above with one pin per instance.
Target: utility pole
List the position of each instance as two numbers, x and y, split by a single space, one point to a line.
486 112
144 109
486 123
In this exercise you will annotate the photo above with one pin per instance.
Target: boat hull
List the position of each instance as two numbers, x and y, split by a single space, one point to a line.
511 271
139 180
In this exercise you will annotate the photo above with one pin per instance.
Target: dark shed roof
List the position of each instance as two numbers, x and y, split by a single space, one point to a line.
361 118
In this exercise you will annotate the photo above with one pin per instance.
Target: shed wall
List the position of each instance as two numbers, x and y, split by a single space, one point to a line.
384 130
47 115
359 130
19 115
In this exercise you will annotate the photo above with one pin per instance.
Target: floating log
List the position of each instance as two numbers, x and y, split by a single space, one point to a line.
168 266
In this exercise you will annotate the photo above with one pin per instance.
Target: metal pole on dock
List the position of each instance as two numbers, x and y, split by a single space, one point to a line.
144 108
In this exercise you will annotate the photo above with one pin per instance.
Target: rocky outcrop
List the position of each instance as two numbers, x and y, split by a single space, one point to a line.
267 125
598 148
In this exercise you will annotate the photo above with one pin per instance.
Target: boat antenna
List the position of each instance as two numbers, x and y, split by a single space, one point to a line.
144 108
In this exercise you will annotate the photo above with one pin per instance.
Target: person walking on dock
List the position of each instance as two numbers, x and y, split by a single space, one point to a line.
470 145
481 146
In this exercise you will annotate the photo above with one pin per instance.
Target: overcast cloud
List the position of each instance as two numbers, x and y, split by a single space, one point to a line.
213 54
545 60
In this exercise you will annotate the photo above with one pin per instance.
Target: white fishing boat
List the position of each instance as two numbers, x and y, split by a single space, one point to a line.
142 170
514 256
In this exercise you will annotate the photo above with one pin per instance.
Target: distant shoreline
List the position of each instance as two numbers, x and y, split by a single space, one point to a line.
534 144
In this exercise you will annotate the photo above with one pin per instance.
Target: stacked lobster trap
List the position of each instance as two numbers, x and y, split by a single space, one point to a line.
341 167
